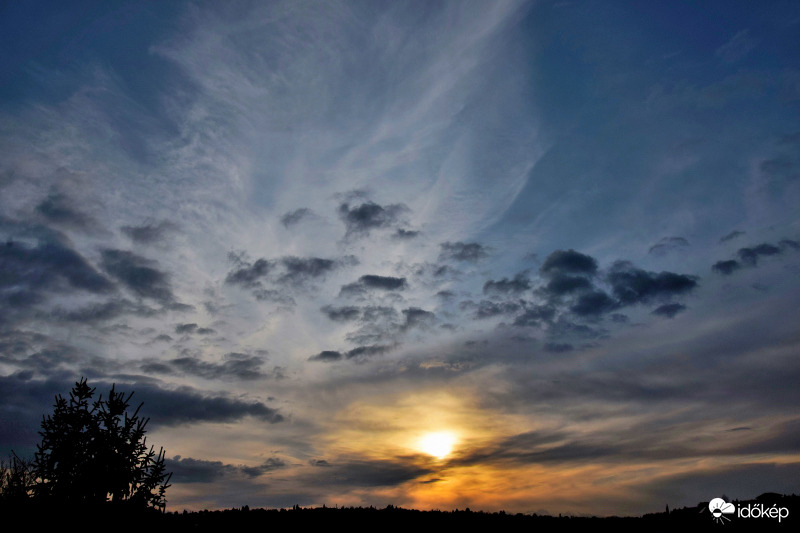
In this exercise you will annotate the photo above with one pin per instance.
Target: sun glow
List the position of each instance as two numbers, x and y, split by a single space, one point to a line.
438 444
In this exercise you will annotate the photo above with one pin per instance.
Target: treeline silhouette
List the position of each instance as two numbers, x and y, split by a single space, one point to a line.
93 467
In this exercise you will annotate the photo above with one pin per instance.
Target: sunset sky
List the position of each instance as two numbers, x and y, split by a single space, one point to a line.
531 256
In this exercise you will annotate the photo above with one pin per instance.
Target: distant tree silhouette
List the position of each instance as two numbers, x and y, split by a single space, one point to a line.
93 452
17 478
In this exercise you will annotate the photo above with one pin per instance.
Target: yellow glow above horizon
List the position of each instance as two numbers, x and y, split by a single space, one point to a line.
439 444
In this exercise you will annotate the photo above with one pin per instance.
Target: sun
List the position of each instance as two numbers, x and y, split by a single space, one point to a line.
438 444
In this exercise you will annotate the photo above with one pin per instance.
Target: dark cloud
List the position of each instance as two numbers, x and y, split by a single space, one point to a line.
148 233
788 243
726 267
519 284
182 329
593 304
462 251
489 309
319 462
404 234
138 274
189 470
361 219
372 473
446 295
555 347
294 217
633 285
417 318
299 270
669 310
234 365
568 262
750 255
732 235
342 314
271 464
534 315
187 405
562 284
102 311
363 352
60 210
272 295
29 274
24 400
444 270
370 282
668 244
248 275
326 356
283 274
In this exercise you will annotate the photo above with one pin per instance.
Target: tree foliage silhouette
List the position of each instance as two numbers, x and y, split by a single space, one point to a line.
94 451
17 479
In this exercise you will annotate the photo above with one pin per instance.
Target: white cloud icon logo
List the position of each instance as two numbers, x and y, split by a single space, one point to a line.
719 508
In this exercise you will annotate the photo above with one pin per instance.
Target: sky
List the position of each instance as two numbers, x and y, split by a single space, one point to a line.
523 256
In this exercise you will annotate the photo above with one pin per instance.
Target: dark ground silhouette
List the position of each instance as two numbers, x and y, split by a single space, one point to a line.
128 518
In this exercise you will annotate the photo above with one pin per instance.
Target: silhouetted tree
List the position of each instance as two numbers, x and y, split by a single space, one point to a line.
17 478
94 452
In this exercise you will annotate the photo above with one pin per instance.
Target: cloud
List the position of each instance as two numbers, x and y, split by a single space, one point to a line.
60 210
149 233
364 352
347 313
593 304
373 282
30 274
732 235
669 310
248 275
23 400
138 274
556 347
234 365
737 48
187 405
326 356
182 329
292 218
269 280
750 255
189 470
489 309
300 270
417 318
404 234
534 315
372 473
668 244
103 311
462 251
362 219
519 284
568 262
561 284
633 285
726 268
